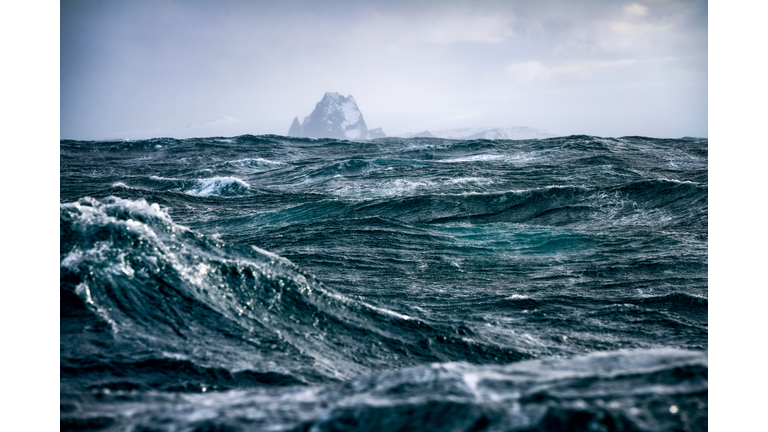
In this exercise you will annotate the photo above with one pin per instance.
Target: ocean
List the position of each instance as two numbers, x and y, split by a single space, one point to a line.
295 284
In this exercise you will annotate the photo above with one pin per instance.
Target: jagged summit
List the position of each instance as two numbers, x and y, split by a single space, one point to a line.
335 116
376 133
295 129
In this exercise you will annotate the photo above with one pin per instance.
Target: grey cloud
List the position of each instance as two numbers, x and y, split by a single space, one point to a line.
411 66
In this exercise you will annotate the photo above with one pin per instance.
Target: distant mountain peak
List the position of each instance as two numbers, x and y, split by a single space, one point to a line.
295 129
335 116
511 133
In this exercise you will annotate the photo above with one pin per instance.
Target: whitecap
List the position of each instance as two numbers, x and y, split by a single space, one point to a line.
475 158
154 177
401 187
255 163
219 186
522 157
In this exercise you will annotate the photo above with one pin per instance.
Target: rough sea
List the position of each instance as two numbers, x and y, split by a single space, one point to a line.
266 283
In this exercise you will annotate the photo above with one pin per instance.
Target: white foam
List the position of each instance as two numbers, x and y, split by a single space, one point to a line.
476 158
83 291
671 180
401 187
395 187
521 157
257 163
157 178
424 146
219 186
476 180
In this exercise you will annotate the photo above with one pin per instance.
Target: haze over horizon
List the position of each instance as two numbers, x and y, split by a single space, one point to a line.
593 67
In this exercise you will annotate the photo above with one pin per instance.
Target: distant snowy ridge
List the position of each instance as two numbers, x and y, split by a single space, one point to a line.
335 116
511 133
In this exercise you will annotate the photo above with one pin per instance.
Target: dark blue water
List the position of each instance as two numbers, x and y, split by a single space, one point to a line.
273 283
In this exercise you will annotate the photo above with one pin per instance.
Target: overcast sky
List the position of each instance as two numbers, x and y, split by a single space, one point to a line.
598 67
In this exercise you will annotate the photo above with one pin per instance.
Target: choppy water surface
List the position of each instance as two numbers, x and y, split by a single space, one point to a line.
273 283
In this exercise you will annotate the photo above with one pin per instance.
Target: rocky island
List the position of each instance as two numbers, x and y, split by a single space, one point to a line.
335 116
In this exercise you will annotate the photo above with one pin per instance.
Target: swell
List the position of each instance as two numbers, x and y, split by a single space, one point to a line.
615 391
644 203
236 167
162 374
161 288
218 186
430 251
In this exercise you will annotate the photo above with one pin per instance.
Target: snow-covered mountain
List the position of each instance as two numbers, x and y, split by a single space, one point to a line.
335 116
513 133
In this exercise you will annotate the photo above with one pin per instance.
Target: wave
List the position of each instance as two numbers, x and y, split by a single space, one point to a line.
159 290
255 164
219 186
689 305
655 202
215 186
403 187
613 391
494 254
516 157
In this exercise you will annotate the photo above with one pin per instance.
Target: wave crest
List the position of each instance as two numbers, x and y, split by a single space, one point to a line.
168 290
219 186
